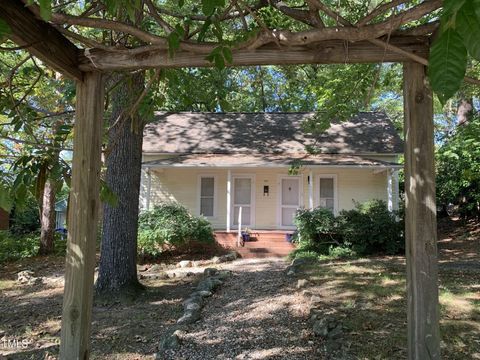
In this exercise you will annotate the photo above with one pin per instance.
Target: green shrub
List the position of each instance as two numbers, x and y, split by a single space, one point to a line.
370 228
170 225
316 229
14 247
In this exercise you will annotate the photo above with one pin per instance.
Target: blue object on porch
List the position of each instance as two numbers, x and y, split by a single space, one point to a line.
289 237
245 236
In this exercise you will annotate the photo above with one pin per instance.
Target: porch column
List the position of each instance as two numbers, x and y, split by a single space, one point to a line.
82 219
420 217
310 190
396 190
390 190
149 188
229 198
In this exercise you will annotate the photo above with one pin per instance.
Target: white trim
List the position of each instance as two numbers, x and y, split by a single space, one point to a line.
215 193
389 190
149 188
396 191
335 190
252 201
279 197
310 190
286 166
229 199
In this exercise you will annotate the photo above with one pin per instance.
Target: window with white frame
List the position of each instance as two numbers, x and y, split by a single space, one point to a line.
327 192
207 196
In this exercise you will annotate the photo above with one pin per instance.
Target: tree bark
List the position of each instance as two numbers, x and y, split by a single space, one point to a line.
47 219
117 270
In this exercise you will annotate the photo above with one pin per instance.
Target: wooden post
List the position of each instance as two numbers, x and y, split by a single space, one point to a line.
420 217
83 219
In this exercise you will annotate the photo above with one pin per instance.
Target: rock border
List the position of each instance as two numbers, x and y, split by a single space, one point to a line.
192 307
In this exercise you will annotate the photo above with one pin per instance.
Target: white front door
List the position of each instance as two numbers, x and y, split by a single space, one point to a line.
289 200
243 198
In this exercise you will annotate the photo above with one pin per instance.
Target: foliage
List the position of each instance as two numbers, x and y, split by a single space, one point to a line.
19 246
170 225
458 168
24 220
368 229
315 229
459 35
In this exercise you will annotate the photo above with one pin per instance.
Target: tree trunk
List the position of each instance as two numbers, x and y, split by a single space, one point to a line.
47 219
117 270
464 111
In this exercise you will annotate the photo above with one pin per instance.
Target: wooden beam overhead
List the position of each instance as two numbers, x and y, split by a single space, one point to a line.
41 39
325 52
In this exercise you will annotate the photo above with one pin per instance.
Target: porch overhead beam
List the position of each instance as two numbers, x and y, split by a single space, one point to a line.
41 39
325 52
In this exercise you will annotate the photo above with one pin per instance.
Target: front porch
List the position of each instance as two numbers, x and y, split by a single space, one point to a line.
263 243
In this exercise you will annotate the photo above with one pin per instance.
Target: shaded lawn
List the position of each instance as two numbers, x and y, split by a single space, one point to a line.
368 295
121 328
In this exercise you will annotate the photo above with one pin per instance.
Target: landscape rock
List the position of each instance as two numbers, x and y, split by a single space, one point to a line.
315 299
202 293
210 272
189 317
301 283
336 332
290 271
298 262
209 284
26 277
223 274
320 327
171 340
184 264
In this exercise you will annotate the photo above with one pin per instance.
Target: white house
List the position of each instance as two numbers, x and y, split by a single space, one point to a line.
221 164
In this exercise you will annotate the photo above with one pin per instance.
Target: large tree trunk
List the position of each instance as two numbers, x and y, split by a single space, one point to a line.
117 271
47 219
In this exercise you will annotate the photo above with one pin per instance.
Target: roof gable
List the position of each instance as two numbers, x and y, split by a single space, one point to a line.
266 133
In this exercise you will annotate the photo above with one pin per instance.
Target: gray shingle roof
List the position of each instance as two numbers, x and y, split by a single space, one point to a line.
267 133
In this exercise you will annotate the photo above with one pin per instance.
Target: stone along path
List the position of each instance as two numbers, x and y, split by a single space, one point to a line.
258 313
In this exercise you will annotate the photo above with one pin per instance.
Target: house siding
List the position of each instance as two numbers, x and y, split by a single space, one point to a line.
181 185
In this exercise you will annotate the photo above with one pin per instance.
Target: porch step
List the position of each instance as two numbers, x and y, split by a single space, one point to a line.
264 244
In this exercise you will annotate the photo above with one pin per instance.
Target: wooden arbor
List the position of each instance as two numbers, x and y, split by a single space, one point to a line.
376 43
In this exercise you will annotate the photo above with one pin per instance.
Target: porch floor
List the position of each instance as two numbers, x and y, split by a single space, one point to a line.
262 244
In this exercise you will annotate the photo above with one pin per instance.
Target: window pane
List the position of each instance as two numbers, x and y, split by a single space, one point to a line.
243 191
206 206
326 188
245 215
329 204
287 216
207 186
290 192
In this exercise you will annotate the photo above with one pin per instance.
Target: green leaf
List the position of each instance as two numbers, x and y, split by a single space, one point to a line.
181 3
467 25
447 64
107 195
6 201
227 54
4 29
209 6
45 9
173 43
450 7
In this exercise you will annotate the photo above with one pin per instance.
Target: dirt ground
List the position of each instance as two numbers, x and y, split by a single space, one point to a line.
367 295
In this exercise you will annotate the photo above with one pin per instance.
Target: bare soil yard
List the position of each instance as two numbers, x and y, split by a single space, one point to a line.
258 313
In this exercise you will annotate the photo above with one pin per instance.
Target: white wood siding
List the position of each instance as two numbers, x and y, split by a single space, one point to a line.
175 184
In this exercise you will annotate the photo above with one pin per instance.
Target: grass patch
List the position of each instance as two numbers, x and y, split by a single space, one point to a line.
369 297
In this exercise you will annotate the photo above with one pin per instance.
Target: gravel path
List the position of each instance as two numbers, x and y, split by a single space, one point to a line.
256 314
